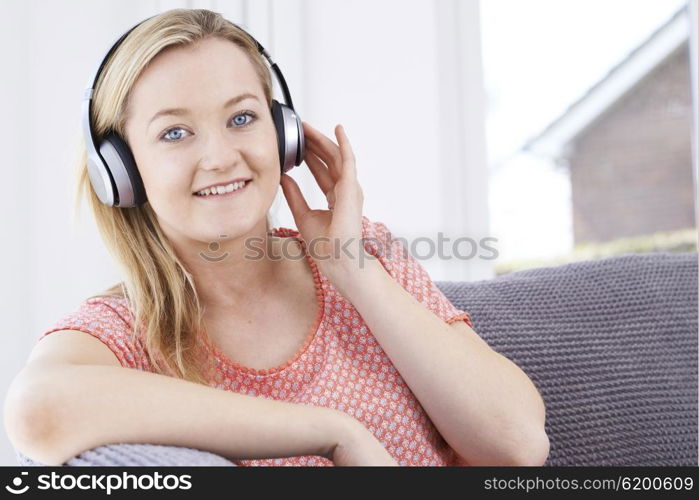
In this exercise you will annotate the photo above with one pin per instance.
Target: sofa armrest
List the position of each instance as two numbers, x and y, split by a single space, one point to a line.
126 454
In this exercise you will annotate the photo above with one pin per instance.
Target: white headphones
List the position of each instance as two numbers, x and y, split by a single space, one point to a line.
111 166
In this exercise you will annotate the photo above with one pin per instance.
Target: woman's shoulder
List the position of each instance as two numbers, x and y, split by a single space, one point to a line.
106 317
102 307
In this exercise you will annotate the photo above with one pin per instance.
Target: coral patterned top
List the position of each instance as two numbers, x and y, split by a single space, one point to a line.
341 365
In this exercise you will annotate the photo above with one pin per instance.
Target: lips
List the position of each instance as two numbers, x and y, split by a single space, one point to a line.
225 183
224 195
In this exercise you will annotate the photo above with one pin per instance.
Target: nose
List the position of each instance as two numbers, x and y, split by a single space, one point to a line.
220 152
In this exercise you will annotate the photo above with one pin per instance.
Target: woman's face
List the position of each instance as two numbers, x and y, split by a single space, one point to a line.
209 141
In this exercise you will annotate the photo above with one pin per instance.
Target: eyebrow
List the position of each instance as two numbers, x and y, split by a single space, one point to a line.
184 111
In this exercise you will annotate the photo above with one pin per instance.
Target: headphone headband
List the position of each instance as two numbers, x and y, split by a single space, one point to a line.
92 82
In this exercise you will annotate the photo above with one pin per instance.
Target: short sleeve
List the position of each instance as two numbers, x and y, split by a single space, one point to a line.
407 271
108 320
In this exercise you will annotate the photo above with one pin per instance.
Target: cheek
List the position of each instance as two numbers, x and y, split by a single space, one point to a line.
165 178
166 186
266 149
267 155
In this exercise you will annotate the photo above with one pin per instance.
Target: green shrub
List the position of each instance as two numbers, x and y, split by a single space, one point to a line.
683 241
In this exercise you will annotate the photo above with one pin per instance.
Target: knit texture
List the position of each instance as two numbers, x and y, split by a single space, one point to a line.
127 454
611 344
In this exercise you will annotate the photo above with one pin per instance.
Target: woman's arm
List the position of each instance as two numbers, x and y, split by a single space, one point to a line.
54 412
484 405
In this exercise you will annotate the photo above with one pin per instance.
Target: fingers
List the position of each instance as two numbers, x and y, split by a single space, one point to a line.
320 172
292 192
340 172
331 200
348 164
327 163
324 148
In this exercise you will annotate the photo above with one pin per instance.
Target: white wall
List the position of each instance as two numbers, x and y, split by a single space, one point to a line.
694 55
411 99
403 77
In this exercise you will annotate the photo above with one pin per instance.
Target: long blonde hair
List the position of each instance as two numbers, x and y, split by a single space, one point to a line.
159 290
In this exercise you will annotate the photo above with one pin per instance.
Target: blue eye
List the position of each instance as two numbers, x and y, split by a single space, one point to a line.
240 124
242 115
172 130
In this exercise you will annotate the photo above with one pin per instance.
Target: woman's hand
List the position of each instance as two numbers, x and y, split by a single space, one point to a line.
328 232
361 448
352 444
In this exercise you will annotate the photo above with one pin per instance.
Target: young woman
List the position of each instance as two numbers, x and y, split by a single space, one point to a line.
324 345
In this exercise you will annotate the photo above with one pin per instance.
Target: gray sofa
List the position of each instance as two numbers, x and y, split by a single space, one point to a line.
611 344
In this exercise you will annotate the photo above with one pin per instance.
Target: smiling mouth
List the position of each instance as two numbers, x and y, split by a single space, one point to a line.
227 194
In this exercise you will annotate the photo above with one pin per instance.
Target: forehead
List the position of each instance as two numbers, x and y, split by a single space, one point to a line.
208 70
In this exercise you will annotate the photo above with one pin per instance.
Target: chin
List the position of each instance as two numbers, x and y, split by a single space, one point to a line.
223 228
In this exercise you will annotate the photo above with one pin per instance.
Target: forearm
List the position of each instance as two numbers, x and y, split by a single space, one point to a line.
484 406
86 406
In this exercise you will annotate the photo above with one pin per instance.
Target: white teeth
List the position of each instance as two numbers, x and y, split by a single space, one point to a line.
221 189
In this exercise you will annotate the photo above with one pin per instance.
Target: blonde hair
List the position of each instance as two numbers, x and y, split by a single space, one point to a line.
157 287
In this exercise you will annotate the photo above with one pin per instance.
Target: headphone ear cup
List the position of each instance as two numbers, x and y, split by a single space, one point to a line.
121 164
101 179
290 138
301 149
278 119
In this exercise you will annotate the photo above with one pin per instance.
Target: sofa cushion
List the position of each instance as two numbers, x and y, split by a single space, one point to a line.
612 346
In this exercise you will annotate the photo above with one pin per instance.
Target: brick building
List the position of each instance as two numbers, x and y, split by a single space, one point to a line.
627 143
